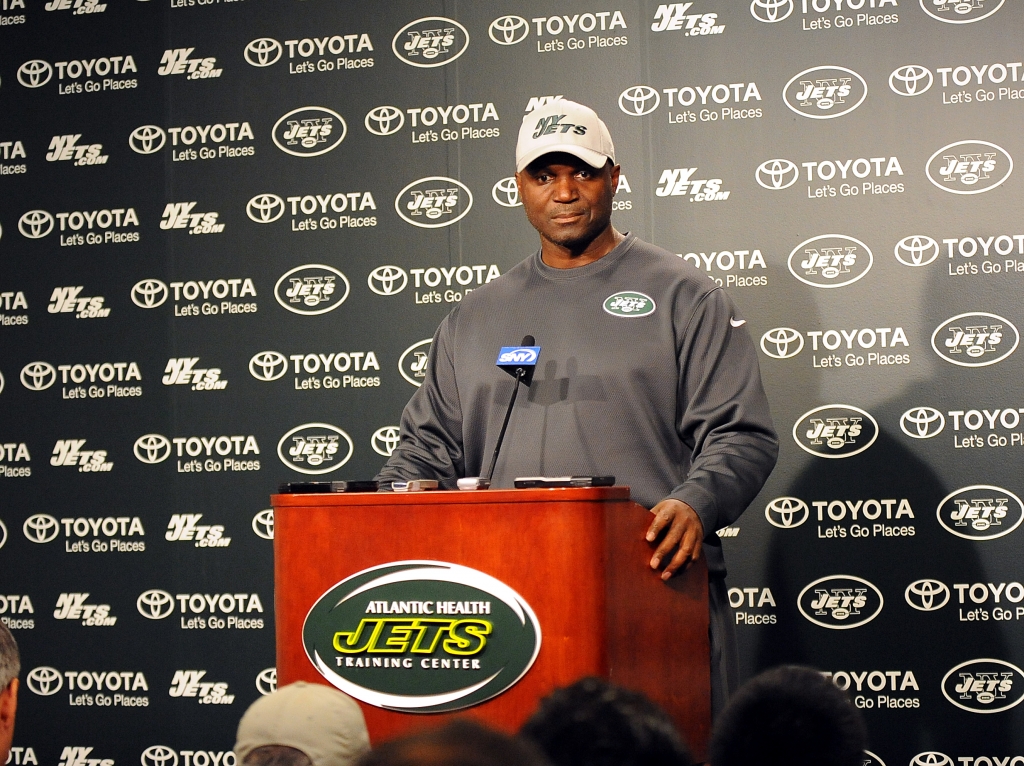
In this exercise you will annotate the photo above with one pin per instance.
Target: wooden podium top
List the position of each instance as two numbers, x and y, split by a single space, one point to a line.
450 497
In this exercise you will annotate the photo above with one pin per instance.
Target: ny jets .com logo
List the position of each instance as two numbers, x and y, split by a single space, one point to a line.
79 7
776 174
782 343
149 293
960 11
786 512
927 595
413 362
434 202
179 61
639 100
508 30
69 300
44 681
315 448
835 431
506 193
969 167
840 602
41 528
984 686
771 11
309 131
830 260
916 250
35 73
384 120
980 512
72 606
311 289
190 683
155 604
147 139
65 148
263 51
179 215
674 16
265 208
825 92
69 452
35 224
183 371
430 42
387 280
910 80
152 448
268 365
679 182
922 422
975 339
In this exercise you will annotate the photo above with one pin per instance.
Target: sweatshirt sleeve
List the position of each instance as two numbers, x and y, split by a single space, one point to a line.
430 443
723 414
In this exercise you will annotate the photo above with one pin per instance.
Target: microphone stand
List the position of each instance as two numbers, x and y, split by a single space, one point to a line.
520 374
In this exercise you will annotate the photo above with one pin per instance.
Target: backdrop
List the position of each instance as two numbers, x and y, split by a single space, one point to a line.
230 227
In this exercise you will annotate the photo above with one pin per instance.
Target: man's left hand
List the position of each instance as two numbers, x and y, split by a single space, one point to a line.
682 527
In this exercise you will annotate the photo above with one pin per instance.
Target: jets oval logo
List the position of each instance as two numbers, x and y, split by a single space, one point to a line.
312 289
984 686
434 202
980 512
830 260
835 431
975 339
366 636
825 92
969 167
960 11
315 448
430 42
840 602
629 304
309 131
413 362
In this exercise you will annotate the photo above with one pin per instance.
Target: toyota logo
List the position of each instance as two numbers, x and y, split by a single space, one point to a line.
786 512
268 365
910 80
147 139
922 422
37 376
265 208
1 382
159 755
782 343
776 174
3 534
506 193
508 30
916 250
35 73
931 758
40 528
155 604
44 681
770 11
35 224
266 681
152 448
927 595
149 293
387 280
263 51
385 440
384 120
263 524
639 100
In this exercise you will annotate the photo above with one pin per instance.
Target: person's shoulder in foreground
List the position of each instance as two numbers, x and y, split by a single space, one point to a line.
789 715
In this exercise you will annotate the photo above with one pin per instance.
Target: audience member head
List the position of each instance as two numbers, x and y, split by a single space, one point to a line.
789 715
595 723
302 725
460 743
10 667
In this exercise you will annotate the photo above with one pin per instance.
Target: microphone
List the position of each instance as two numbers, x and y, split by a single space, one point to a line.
519 362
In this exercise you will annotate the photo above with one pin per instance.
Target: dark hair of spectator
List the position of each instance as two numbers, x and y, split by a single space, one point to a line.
460 743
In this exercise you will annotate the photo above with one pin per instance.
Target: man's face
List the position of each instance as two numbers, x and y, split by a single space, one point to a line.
567 201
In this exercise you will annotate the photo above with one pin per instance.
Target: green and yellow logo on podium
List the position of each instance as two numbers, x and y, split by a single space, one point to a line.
421 636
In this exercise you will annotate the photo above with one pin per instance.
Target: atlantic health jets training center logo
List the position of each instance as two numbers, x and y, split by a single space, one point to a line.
421 636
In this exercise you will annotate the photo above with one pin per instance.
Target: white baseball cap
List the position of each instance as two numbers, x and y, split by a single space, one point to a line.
564 126
323 723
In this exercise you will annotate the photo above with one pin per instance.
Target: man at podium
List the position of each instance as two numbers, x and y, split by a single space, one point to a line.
647 371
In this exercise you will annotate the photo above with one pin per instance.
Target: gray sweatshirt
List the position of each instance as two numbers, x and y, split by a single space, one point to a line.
646 373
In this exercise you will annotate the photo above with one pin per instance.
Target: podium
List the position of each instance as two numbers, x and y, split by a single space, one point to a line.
576 556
